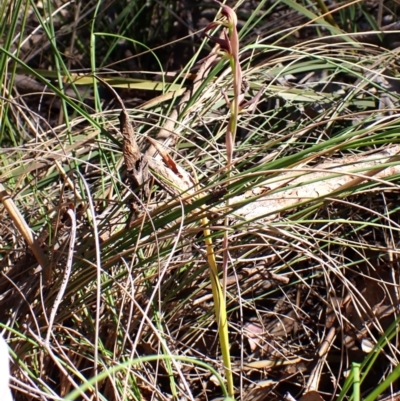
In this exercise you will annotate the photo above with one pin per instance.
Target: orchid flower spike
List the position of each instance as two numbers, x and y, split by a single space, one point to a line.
229 14
229 43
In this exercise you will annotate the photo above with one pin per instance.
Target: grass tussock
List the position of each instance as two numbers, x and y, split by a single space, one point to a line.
192 214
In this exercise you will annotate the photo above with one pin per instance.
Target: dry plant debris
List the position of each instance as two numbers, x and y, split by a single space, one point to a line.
313 219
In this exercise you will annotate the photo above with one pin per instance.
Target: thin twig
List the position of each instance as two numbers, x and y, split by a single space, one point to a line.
67 274
26 232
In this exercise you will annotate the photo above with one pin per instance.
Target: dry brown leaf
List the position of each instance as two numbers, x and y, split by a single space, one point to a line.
177 185
273 202
164 154
311 396
136 164
253 332
130 148
268 364
260 391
